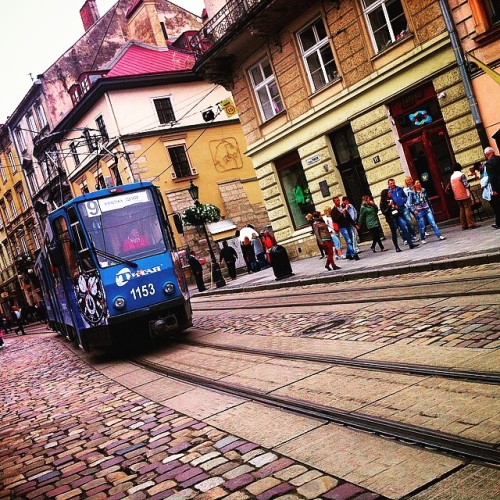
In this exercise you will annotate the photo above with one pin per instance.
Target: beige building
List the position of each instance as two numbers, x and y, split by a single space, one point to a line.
151 118
338 98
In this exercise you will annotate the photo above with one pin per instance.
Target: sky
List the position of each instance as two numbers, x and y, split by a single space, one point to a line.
34 33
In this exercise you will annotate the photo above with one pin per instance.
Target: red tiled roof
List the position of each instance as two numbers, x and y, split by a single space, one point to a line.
138 60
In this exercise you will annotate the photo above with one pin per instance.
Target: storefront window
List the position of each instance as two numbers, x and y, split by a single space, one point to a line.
296 189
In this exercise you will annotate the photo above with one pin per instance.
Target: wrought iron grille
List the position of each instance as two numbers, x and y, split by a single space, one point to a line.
231 14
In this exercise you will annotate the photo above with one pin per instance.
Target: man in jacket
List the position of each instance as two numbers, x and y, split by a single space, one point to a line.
493 170
229 255
399 198
460 188
197 270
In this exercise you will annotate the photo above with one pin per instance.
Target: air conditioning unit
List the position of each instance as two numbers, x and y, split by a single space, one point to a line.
173 174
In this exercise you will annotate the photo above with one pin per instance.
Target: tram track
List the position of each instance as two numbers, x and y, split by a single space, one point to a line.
407 433
387 366
317 296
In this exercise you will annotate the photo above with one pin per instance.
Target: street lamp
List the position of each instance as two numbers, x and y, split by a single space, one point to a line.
217 277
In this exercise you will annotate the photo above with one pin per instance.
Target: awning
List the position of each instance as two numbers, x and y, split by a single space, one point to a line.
221 227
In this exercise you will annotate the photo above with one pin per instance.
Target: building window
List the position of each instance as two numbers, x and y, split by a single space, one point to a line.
13 208
265 88
180 162
44 169
164 110
24 201
35 239
74 153
40 113
32 125
295 188
89 140
11 161
20 140
5 212
24 245
100 183
84 187
102 129
317 54
2 172
386 21
115 172
32 183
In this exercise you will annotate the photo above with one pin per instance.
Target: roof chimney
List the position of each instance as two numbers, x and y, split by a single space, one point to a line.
89 14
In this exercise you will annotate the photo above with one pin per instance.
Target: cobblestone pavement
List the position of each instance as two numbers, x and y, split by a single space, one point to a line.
449 326
67 431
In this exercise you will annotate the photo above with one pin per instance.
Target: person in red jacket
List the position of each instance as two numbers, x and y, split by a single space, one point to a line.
135 240
459 186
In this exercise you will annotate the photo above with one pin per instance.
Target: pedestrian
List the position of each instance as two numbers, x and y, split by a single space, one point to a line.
408 189
249 255
4 324
18 322
492 166
268 241
368 217
351 209
230 256
310 219
197 270
345 223
260 253
459 186
395 220
322 234
399 199
334 230
422 209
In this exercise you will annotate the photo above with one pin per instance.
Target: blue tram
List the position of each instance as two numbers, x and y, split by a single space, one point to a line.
110 269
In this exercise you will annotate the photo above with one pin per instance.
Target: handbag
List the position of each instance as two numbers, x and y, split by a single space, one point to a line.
487 192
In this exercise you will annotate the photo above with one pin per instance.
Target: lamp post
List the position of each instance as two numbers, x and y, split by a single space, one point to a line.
217 277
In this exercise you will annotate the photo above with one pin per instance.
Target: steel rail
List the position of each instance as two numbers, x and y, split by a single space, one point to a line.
449 443
386 366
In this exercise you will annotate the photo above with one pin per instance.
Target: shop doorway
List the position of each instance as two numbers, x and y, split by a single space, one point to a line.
422 132
431 161
351 169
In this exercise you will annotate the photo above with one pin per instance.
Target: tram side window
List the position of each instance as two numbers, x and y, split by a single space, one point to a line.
80 242
63 237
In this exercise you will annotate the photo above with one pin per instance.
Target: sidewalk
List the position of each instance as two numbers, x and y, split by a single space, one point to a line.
461 248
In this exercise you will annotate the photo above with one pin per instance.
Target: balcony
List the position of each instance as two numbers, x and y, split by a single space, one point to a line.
237 31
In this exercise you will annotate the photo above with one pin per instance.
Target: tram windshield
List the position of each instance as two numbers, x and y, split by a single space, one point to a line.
123 227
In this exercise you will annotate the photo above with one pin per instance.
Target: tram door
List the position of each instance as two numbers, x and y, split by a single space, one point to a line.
431 162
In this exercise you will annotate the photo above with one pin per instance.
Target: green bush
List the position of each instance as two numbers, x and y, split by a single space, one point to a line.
197 215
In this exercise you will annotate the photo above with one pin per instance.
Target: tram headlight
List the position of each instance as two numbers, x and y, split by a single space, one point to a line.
169 288
119 303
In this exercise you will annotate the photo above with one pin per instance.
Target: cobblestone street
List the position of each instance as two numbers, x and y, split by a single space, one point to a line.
68 431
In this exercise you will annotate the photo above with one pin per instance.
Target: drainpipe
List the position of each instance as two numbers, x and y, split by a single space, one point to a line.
462 67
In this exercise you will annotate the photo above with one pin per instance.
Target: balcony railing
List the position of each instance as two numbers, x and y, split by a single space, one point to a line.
231 14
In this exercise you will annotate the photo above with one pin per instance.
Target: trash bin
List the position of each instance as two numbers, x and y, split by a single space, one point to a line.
280 262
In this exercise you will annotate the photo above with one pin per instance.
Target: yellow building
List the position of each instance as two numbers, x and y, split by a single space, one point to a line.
339 98
19 234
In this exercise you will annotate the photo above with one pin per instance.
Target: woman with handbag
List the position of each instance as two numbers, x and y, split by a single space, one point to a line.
421 207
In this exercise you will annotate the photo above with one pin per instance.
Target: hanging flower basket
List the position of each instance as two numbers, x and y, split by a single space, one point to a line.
198 215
